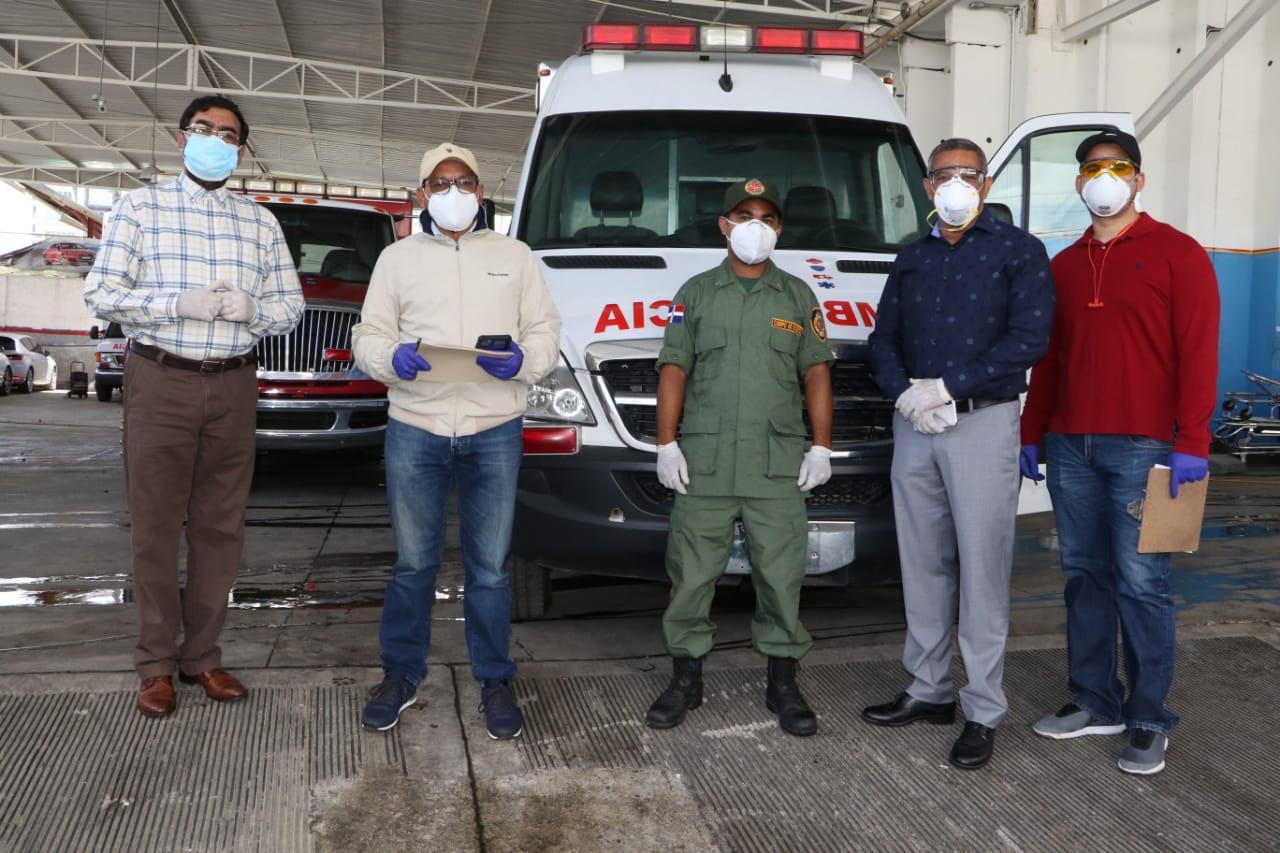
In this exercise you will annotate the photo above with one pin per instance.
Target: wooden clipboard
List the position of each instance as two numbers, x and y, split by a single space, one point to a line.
1170 525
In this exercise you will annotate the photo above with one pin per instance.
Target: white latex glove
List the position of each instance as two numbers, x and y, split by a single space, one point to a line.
238 306
673 471
815 469
904 401
923 395
202 304
929 422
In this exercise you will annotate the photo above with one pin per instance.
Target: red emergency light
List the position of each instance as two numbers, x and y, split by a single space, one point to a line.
670 37
611 37
794 40
782 40
550 440
840 42
333 354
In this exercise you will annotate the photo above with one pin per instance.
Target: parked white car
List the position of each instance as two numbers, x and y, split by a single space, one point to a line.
6 382
31 364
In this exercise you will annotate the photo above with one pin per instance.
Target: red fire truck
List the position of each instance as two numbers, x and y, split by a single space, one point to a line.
310 393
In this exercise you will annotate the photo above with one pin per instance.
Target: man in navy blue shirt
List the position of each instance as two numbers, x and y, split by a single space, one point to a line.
966 311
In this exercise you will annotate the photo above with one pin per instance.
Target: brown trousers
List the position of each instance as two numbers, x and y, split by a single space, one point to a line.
188 454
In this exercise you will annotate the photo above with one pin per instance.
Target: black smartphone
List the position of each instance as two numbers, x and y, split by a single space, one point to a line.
493 342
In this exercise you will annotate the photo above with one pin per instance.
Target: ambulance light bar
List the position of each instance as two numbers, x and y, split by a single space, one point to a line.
719 38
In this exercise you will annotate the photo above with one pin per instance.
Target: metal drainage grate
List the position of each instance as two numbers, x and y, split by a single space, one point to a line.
85 771
854 786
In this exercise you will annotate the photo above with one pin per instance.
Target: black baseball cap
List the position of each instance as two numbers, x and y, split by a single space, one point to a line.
740 191
1111 136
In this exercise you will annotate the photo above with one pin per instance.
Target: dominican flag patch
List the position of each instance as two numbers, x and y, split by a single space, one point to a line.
675 314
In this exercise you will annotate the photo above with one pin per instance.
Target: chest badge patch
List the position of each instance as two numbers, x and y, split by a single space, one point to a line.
817 324
794 328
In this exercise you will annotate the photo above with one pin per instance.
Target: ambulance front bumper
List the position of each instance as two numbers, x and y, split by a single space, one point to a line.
602 511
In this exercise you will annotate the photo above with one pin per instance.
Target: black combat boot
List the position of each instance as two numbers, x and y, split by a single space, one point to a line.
684 693
783 698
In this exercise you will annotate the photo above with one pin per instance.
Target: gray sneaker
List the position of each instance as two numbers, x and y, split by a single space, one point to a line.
1073 721
1145 753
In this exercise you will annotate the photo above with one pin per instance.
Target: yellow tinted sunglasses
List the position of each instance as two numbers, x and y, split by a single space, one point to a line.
1122 169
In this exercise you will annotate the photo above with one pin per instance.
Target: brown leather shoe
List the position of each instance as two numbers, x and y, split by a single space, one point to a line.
219 685
156 697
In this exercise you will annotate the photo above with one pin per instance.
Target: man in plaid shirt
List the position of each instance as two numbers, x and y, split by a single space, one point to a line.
195 275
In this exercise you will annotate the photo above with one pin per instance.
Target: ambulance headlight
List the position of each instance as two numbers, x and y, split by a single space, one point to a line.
558 397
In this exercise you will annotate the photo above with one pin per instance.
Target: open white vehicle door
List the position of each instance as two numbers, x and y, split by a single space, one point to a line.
1035 171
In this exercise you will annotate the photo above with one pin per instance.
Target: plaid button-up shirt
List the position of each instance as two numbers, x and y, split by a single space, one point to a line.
176 236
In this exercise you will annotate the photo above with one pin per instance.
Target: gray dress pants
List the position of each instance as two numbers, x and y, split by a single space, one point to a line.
955 497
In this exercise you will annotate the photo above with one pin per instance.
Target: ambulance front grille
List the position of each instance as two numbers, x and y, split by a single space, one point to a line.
862 414
302 350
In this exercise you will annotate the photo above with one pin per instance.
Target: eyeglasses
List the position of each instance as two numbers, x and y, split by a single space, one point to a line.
972 177
227 135
466 184
1122 169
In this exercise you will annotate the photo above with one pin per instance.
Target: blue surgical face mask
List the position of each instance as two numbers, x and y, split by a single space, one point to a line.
209 158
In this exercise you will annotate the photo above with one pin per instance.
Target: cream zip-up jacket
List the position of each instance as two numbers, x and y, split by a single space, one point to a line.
447 292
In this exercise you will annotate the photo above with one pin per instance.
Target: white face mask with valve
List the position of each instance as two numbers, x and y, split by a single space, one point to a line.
752 241
453 210
957 202
1106 195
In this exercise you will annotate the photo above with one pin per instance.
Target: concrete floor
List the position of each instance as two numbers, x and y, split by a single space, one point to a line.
303 633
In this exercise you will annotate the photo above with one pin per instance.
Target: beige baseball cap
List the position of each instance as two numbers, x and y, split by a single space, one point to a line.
446 151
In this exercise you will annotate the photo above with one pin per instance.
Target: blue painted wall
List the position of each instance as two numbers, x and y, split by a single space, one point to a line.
1250 292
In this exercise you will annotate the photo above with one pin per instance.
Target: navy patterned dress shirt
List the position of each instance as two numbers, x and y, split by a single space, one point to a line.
977 313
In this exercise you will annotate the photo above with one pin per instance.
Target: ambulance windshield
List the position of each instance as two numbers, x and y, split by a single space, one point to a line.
658 179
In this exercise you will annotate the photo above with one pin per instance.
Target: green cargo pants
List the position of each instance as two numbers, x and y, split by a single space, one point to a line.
698 549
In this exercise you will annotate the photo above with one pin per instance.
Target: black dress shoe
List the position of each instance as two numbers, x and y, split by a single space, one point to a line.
973 747
905 710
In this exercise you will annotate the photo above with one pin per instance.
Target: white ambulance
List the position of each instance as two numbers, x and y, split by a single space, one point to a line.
635 142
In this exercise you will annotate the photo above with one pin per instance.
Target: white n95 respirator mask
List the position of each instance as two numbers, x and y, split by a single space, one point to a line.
752 241
957 202
453 210
1106 195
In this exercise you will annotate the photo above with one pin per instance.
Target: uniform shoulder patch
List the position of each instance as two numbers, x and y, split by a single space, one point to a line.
787 325
817 324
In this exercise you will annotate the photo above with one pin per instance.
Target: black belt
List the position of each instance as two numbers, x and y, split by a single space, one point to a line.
964 407
207 366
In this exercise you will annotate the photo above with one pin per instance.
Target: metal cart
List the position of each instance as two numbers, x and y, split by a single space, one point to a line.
1250 421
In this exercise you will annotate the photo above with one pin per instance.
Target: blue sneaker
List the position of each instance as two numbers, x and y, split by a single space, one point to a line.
386 701
502 716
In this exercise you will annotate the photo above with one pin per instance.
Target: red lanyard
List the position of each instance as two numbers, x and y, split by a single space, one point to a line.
1100 268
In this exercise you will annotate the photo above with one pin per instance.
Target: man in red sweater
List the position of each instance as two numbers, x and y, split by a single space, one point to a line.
1128 383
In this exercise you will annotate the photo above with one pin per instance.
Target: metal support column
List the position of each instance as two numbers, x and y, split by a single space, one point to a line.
1090 24
1217 47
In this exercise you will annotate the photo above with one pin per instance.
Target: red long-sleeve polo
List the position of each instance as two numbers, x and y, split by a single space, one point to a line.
1146 361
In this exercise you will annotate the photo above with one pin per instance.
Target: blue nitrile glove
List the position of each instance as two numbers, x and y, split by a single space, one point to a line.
503 368
1185 468
1029 463
407 361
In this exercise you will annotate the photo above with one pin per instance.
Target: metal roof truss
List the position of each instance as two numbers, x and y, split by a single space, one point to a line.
147 65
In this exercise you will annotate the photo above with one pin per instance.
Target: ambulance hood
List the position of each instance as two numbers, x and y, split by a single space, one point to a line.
626 294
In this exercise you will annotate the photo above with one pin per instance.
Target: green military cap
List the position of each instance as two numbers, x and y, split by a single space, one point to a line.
740 191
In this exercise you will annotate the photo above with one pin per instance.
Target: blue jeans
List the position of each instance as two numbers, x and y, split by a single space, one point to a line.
421 468
1094 481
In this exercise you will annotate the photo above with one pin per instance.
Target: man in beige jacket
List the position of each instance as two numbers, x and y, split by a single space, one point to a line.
450 285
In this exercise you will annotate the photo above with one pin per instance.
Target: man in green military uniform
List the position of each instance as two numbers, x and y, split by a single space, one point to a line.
741 340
